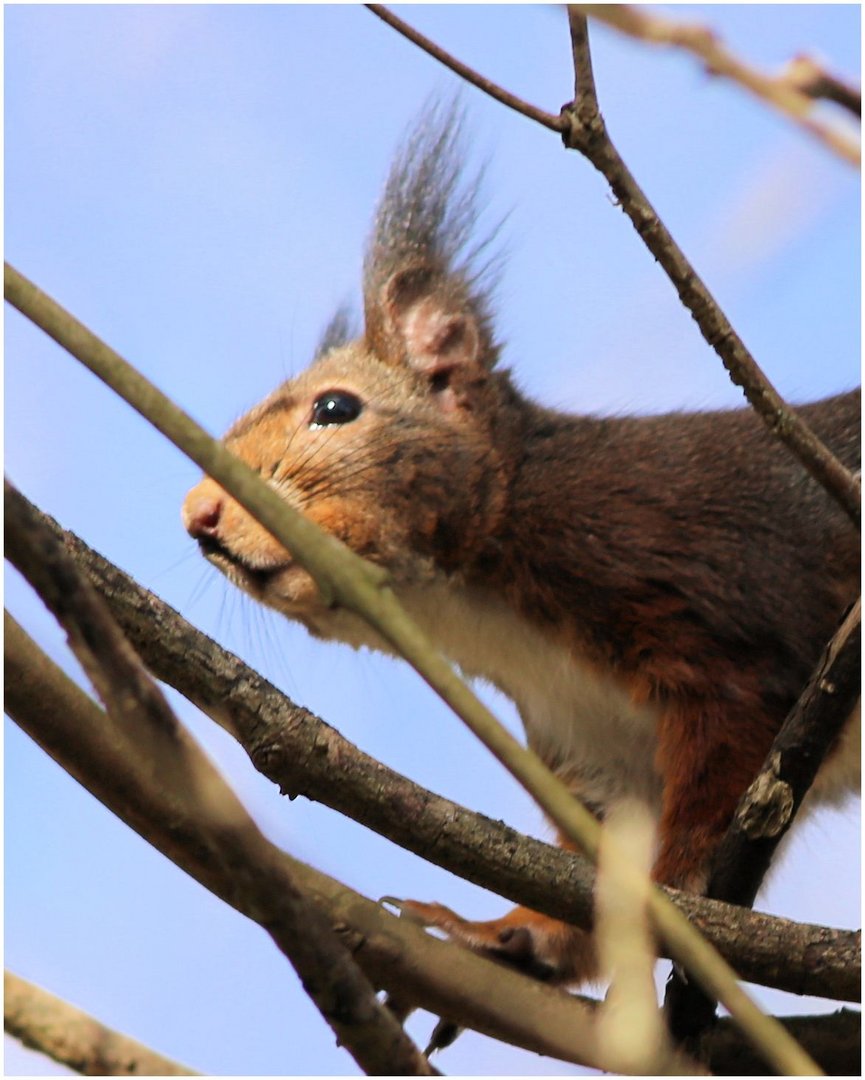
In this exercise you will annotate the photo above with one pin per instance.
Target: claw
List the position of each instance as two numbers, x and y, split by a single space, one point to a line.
539 947
444 1034
511 944
416 912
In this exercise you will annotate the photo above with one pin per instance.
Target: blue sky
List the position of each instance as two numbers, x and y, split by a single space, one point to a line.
195 183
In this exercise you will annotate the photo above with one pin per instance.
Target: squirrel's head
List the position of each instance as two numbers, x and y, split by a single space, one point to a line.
387 440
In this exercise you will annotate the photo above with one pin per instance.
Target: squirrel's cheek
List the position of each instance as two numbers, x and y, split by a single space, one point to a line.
351 524
369 527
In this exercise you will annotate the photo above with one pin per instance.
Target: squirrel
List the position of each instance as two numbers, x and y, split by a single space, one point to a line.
651 592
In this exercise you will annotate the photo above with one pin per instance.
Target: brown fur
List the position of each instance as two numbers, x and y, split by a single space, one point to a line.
685 564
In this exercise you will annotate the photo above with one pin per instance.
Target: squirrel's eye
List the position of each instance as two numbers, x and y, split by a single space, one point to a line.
335 407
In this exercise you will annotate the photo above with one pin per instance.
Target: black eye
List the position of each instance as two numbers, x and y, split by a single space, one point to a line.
335 407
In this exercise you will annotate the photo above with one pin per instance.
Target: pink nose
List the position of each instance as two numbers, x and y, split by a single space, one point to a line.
201 514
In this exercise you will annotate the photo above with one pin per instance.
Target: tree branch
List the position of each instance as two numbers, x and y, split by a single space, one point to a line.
631 1027
833 1039
811 78
582 128
44 1023
305 756
395 954
549 120
53 1027
589 135
785 92
245 870
144 722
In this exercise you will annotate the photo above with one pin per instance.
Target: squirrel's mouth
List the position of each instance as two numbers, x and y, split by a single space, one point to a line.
235 567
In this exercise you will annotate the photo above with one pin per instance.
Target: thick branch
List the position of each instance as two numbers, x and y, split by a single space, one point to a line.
144 722
49 1025
245 870
834 1040
305 756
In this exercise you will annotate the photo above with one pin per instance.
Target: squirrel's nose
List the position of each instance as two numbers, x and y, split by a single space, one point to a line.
202 511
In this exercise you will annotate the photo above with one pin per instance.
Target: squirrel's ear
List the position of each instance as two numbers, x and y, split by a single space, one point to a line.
427 324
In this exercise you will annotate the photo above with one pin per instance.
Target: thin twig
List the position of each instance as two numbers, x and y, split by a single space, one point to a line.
587 134
549 120
304 756
346 579
585 92
51 1026
142 717
811 78
780 91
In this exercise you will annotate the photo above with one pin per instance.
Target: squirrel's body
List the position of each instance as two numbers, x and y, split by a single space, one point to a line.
652 593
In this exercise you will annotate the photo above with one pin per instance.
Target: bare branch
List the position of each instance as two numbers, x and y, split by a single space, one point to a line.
549 120
783 92
833 1039
587 134
143 721
248 872
305 756
585 94
49 1025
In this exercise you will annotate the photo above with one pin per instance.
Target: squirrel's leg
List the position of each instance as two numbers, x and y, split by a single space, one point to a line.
707 758
540 946
534 943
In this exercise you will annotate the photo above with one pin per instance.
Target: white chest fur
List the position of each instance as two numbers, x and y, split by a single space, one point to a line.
584 727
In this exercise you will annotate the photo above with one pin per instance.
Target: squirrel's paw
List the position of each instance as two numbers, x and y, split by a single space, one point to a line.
544 948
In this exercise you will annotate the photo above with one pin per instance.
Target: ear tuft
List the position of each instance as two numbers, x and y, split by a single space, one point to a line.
427 294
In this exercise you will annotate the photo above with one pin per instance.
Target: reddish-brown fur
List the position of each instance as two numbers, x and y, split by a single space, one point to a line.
684 565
